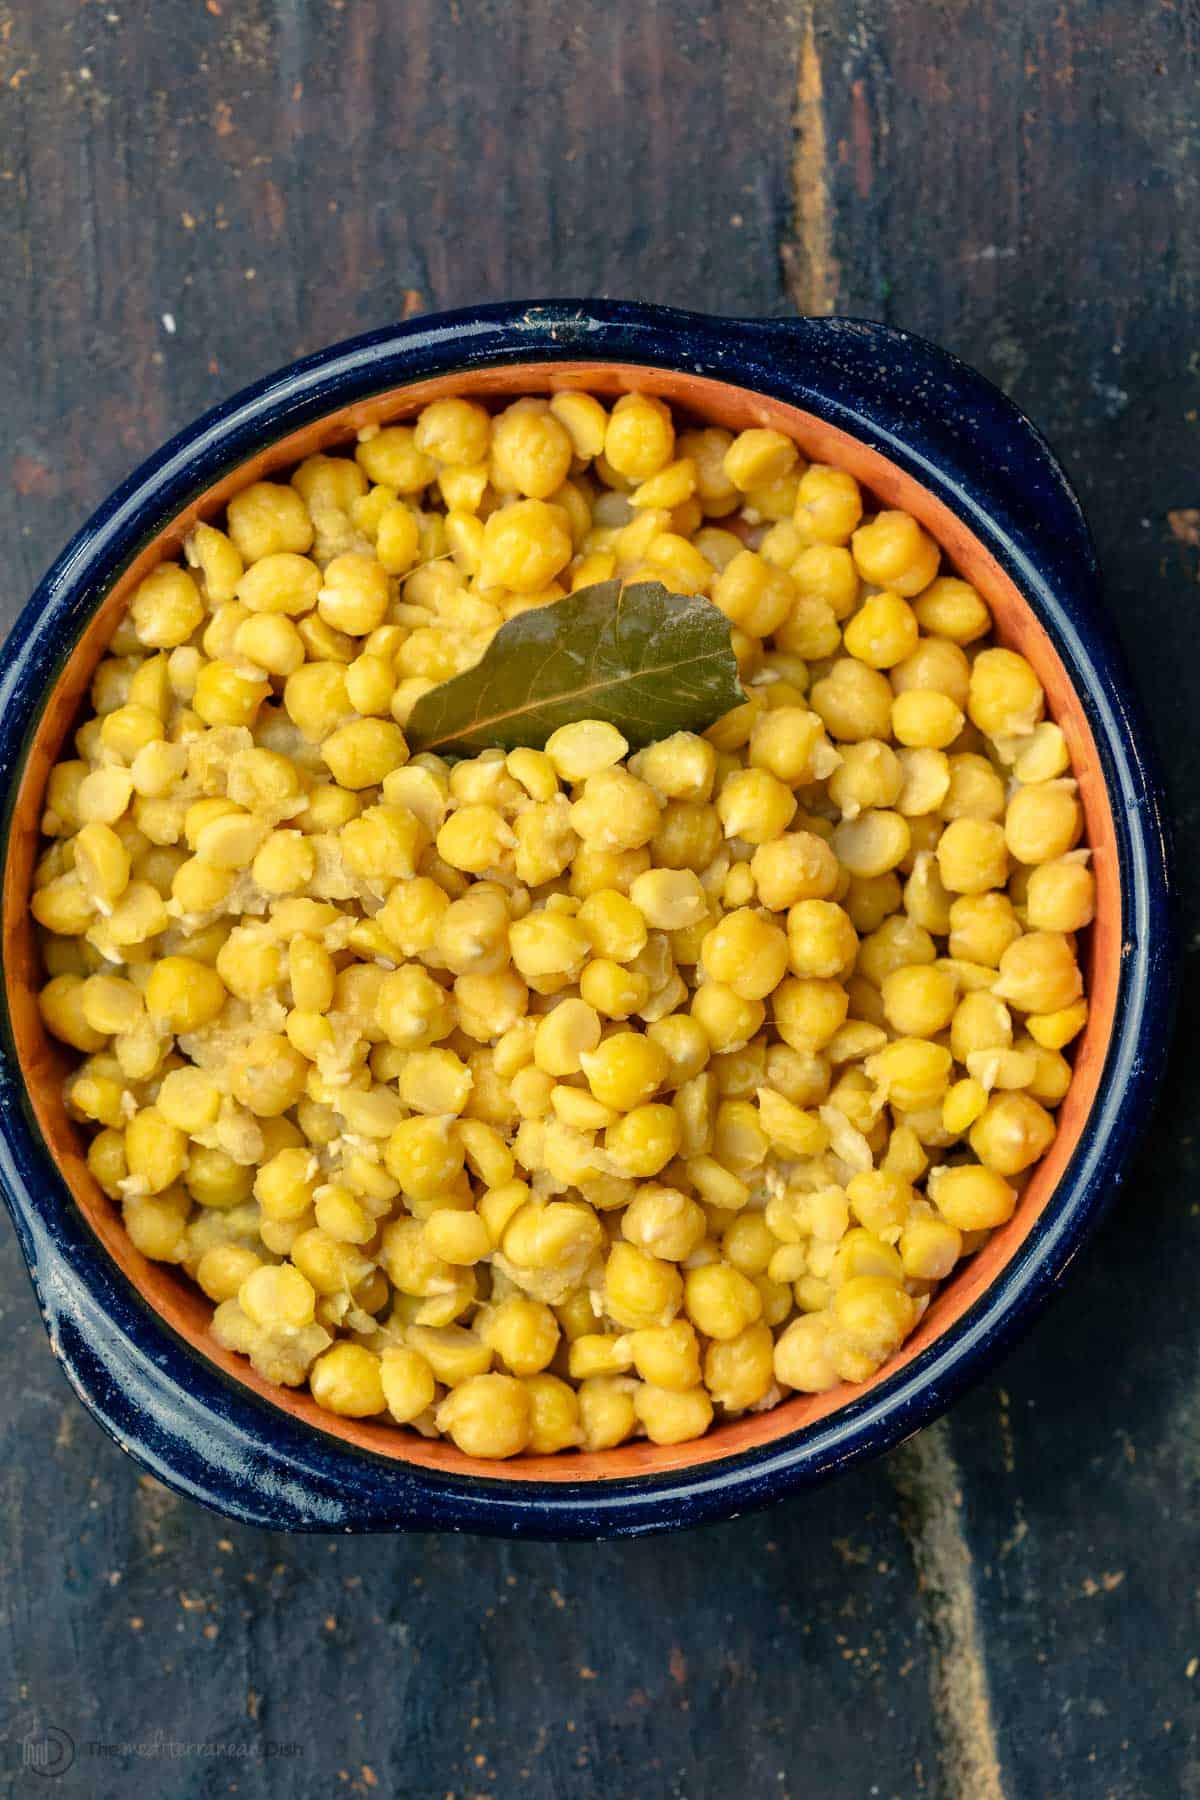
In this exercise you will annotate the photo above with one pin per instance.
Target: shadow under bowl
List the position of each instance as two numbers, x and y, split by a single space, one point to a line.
920 432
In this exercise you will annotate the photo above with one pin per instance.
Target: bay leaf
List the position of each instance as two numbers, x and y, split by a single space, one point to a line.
648 661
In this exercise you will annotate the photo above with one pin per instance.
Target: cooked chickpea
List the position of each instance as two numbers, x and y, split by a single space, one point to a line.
166 607
220 563
1043 821
640 437
972 1197
720 1301
755 805
869 775
821 939
362 753
615 927
804 1354
828 505
667 1355
950 608
853 701
873 842
681 767
615 811
738 1371
453 431
688 837
183 993
408 1383
270 1075
797 866
315 699
758 457
790 743
919 1000
348 1380
883 632
747 953
895 553
1039 973
564 1035
753 594
606 1411
1040 756
669 1417
555 1419
488 1416
1006 696
640 1289
613 990
875 1314
267 519
972 856
392 457
525 546
728 1019
669 899
279 585
354 594
548 946
1012 1132
809 1010
584 420
1061 896
643 1141
914 1072
926 720
530 450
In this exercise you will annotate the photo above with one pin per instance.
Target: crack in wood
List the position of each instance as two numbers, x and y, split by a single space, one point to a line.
810 269
928 1483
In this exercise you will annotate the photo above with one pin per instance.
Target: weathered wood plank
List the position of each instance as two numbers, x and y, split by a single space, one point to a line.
458 1665
228 185
196 194
193 193
1020 182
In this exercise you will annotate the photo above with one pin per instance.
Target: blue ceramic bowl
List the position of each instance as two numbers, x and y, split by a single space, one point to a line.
922 431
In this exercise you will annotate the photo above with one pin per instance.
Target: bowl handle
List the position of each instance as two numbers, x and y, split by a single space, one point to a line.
192 1429
946 424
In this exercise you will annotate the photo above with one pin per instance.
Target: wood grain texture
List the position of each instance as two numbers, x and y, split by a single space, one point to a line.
193 193
1020 183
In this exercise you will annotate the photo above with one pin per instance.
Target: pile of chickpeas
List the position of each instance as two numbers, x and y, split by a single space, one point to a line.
575 1094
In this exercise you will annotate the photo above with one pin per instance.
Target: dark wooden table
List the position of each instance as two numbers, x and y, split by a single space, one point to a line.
199 190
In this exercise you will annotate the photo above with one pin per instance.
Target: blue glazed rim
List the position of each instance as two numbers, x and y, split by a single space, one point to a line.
213 1439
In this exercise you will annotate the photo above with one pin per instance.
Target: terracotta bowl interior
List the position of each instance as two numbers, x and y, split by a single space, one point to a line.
43 1063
